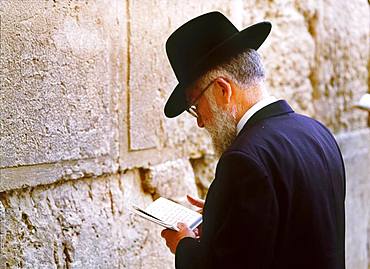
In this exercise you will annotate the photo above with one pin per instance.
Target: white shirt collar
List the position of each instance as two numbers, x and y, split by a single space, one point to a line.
250 112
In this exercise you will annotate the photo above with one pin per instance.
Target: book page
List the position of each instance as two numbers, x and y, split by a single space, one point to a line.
167 213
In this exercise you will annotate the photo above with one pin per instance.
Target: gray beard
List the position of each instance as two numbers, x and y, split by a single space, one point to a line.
223 129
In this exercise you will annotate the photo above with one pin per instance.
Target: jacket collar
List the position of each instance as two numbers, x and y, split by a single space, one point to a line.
275 109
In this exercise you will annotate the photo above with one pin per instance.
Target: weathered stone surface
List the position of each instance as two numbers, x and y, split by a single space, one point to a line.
172 179
310 59
83 224
355 148
83 85
340 76
26 176
58 79
2 235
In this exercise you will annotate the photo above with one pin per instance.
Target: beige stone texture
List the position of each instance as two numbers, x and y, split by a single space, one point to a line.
315 60
83 135
355 148
80 224
59 82
172 179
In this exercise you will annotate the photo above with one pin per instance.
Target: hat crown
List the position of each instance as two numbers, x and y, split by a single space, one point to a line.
195 39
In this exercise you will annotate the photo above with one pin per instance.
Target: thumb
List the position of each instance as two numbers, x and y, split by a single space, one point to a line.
181 226
184 231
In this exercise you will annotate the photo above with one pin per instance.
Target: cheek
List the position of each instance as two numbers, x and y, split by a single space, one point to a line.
205 113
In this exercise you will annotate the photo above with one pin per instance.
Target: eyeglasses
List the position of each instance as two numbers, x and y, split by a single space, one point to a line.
192 109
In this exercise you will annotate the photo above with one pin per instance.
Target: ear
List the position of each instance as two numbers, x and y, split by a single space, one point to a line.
225 90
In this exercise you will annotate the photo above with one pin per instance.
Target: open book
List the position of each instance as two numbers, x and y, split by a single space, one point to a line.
167 214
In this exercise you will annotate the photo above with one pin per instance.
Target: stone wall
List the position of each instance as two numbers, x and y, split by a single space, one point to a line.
83 135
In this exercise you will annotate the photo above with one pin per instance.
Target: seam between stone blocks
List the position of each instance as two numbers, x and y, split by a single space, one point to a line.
51 173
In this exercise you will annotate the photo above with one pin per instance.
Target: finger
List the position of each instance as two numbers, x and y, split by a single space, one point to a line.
195 201
164 232
181 225
185 230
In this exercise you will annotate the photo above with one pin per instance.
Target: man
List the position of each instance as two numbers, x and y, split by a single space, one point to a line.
277 200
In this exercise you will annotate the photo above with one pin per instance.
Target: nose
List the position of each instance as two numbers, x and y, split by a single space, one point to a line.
200 122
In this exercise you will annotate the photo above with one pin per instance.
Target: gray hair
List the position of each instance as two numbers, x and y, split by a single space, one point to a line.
245 69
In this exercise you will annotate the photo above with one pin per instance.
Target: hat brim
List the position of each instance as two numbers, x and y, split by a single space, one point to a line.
251 37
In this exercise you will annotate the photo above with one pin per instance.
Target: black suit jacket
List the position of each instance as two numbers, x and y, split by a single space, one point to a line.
277 200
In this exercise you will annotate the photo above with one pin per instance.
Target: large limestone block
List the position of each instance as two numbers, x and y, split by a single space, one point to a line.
151 80
172 179
59 64
80 224
315 60
355 147
340 76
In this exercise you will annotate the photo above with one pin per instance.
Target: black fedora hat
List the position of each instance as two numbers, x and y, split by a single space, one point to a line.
201 44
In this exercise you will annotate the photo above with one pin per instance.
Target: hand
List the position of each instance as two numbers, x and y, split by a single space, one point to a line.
173 238
198 203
